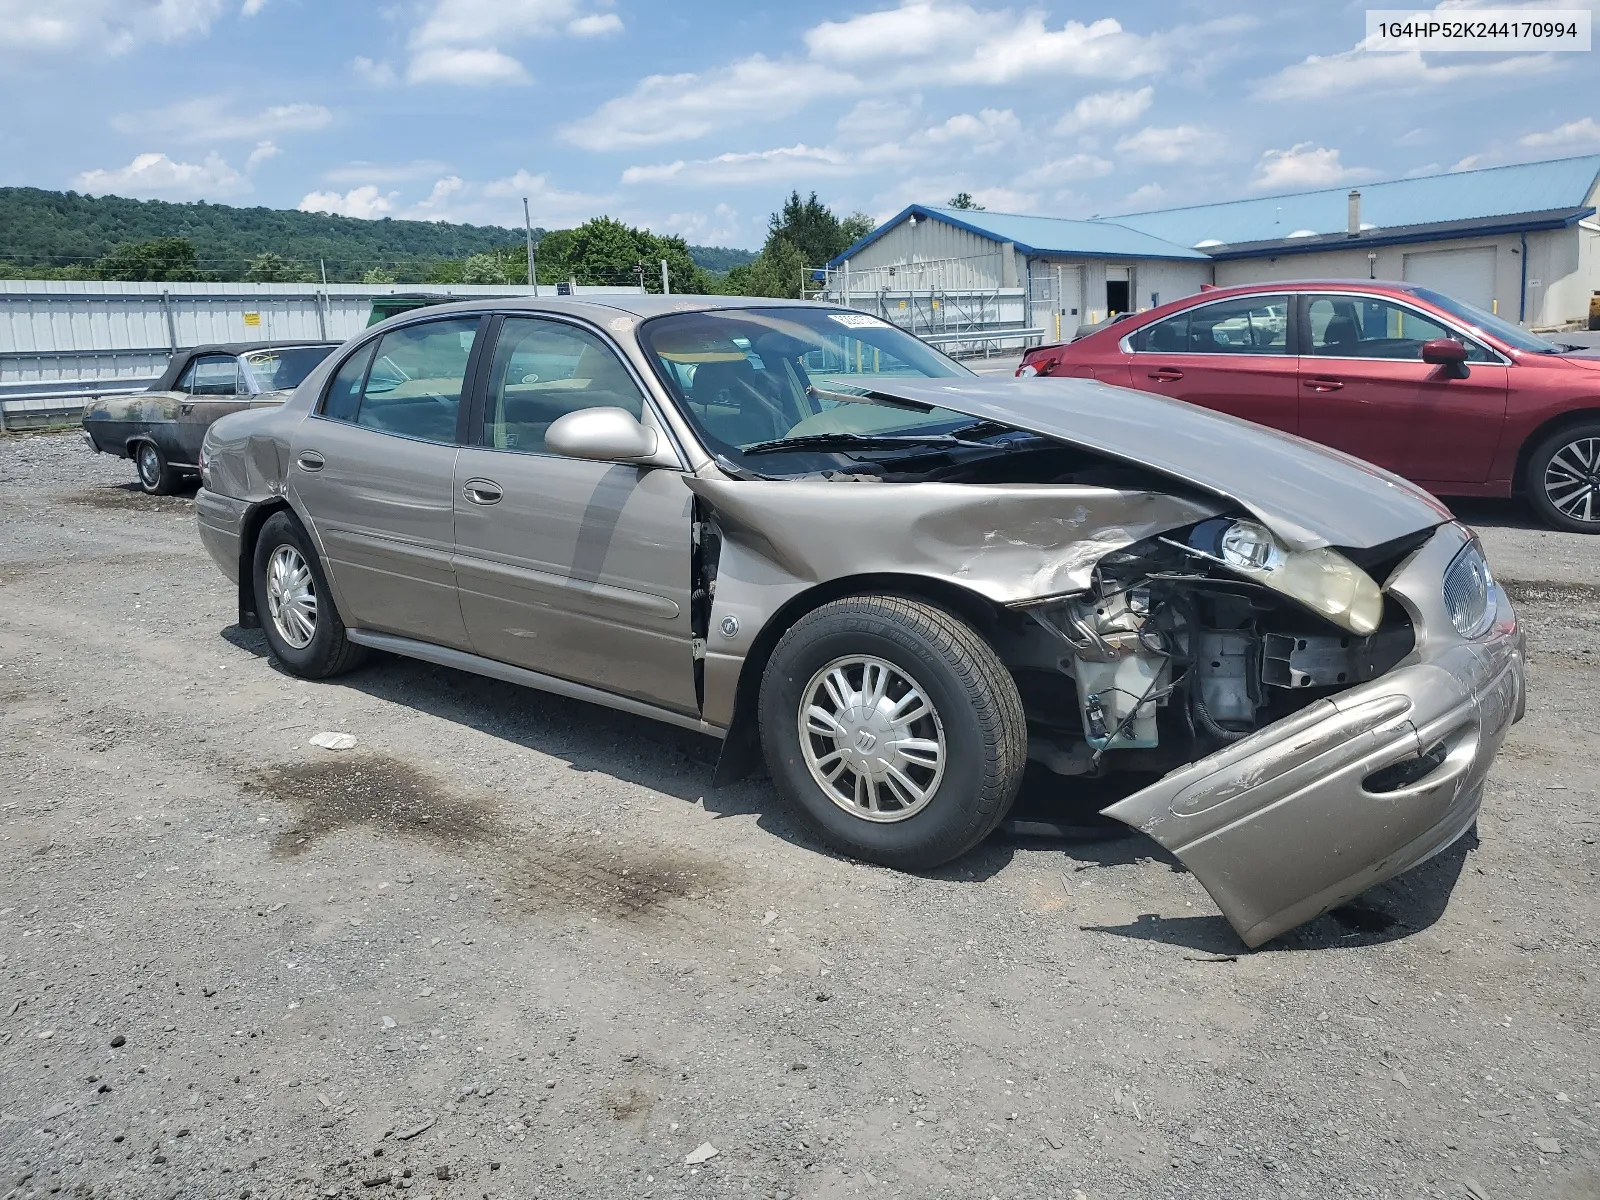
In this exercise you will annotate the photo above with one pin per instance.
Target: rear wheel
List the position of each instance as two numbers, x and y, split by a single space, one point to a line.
156 476
894 729
1564 478
302 626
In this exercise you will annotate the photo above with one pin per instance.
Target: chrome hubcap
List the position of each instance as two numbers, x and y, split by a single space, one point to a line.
1572 480
872 740
149 464
291 598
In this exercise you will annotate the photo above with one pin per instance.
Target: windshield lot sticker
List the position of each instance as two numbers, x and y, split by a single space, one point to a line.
856 320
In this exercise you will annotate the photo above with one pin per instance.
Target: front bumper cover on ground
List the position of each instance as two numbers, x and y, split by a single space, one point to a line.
1290 822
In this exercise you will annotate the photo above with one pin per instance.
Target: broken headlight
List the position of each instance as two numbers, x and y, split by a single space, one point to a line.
1469 592
1323 580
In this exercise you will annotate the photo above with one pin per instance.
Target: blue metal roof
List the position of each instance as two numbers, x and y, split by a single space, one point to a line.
1563 183
1039 235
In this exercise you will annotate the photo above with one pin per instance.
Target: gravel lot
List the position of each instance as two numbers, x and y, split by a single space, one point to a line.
512 945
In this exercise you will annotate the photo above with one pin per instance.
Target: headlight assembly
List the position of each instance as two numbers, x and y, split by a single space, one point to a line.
1469 592
1323 580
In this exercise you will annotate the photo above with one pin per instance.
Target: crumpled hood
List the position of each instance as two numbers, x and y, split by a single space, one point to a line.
1308 495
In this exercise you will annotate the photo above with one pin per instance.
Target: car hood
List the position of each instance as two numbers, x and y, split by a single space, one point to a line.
1309 495
1584 357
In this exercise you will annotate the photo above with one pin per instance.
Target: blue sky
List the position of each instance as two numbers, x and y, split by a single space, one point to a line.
697 116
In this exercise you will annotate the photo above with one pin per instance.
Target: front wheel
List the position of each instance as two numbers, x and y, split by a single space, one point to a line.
156 475
1564 478
894 729
297 615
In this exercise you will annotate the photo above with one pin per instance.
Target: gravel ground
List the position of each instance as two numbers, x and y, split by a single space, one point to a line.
515 946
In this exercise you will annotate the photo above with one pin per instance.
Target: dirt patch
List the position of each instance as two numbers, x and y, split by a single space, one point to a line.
621 886
1549 592
381 793
128 498
634 1104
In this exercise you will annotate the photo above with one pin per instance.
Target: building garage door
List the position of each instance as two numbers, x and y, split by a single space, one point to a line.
1464 274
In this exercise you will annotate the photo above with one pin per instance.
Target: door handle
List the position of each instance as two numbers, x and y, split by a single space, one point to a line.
1323 385
482 491
186 409
1166 374
310 460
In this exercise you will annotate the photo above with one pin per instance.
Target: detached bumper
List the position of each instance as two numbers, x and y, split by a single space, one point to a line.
1317 808
221 520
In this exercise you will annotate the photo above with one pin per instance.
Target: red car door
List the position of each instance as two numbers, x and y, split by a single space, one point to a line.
1364 389
1229 355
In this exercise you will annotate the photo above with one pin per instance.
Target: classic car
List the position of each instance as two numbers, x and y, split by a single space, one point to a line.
161 429
801 530
1456 399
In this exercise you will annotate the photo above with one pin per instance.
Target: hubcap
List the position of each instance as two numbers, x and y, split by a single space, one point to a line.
149 464
291 598
872 740
1572 480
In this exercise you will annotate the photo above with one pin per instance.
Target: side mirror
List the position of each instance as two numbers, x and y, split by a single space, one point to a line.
1446 352
606 434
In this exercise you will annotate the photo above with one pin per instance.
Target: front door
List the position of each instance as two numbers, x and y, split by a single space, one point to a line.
569 567
1231 356
374 469
212 387
1364 389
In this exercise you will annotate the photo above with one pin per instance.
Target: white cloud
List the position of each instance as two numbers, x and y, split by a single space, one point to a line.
251 7
1143 198
32 27
468 66
878 119
209 119
367 172
1360 70
1574 135
1180 143
720 227
1106 110
1071 169
1468 163
499 202
1003 199
988 129
365 201
668 108
157 175
462 41
1304 166
372 72
784 164
436 206
262 152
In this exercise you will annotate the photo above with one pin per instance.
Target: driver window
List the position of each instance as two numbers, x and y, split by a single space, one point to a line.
413 386
543 370
215 375
1367 327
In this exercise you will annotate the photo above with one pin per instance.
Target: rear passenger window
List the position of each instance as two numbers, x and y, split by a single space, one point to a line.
543 370
413 382
1250 325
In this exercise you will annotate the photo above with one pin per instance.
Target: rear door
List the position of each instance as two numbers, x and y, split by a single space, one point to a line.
213 387
570 567
1231 355
1364 389
374 470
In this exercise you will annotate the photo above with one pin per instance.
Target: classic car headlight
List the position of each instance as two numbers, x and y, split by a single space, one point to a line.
1324 580
1469 591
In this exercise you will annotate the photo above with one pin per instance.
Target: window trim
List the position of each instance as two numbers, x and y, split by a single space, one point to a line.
473 434
1291 348
1306 298
469 379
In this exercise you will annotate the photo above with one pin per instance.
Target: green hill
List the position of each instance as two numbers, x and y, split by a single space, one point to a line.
66 229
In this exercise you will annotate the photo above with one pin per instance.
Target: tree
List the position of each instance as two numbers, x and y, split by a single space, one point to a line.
268 267
964 200
158 260
855 227
779 271
377 275
493 267
810 227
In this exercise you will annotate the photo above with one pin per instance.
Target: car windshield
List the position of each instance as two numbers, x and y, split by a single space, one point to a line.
783 387
280 370
1486 322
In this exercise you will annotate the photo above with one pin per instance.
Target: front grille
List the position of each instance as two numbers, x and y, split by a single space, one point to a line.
1469 592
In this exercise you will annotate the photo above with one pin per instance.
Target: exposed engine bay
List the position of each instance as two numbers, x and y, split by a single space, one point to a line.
1170 656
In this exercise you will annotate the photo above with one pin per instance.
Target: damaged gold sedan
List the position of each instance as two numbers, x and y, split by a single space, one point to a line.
800 530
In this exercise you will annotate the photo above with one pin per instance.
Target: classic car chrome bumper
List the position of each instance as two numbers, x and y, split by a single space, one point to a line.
221 520
1356 788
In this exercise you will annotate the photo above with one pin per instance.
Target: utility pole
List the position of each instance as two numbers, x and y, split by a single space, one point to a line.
527 226
324 268
666 288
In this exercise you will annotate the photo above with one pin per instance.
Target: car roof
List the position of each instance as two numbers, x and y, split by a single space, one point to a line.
640 305
179 362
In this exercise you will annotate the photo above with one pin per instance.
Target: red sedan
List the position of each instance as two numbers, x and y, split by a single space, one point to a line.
1445 394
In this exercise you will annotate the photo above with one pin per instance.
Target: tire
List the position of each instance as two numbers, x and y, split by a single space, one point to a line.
310 645
976 723
1563 480
157 477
